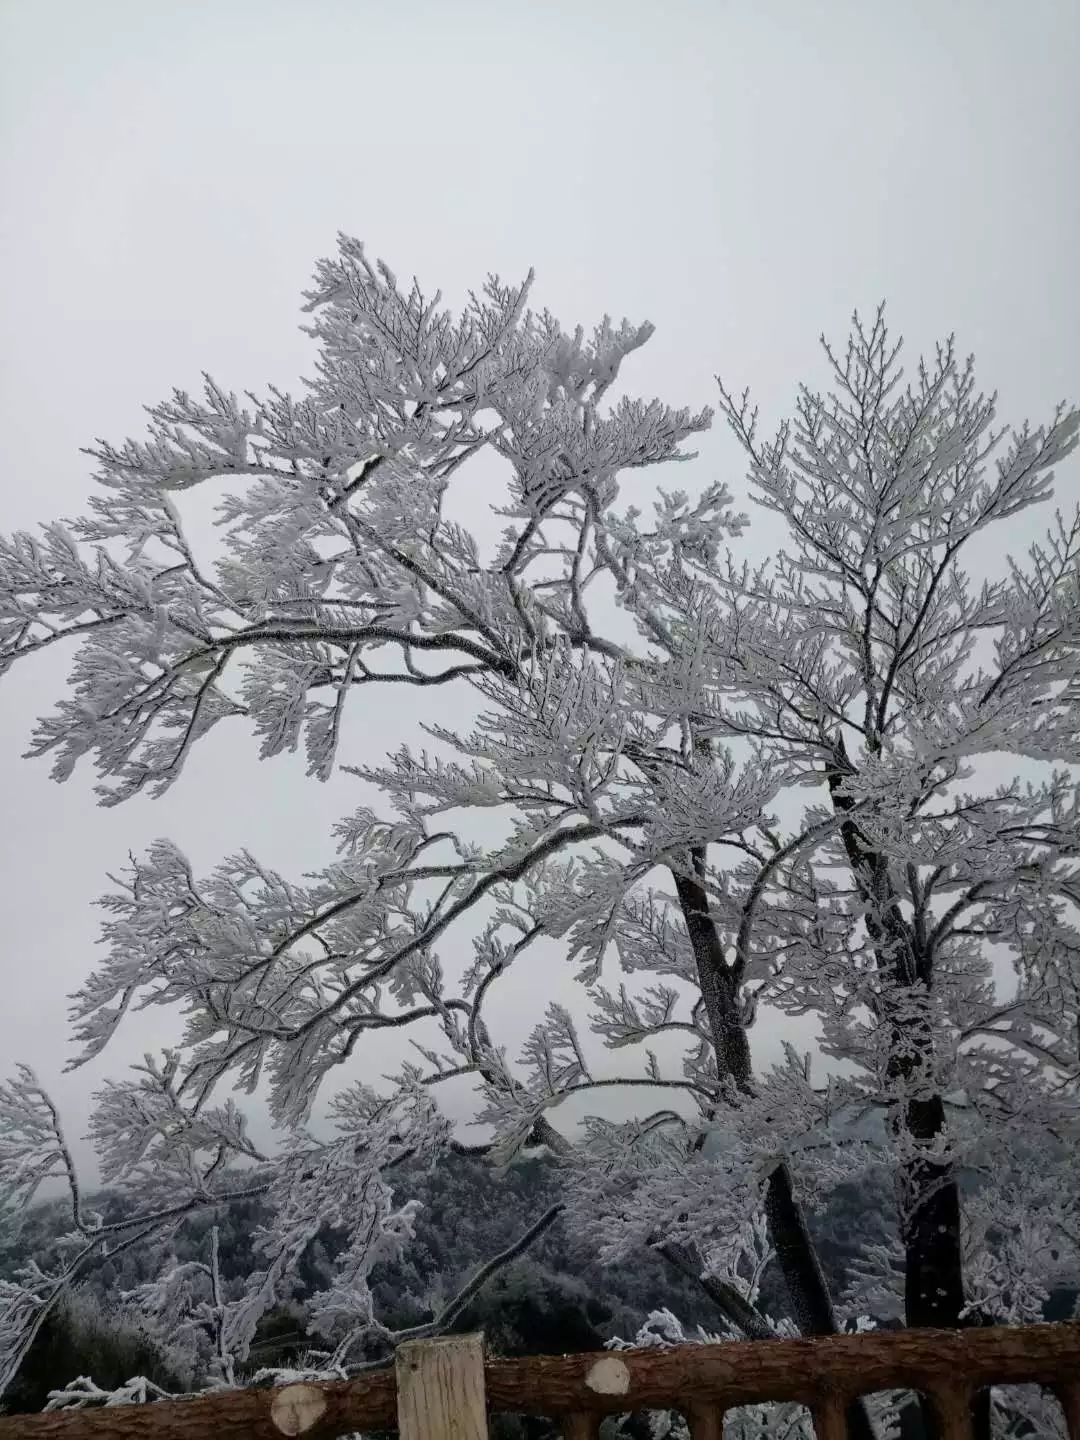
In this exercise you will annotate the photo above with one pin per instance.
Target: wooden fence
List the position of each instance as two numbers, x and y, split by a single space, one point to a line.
445 1389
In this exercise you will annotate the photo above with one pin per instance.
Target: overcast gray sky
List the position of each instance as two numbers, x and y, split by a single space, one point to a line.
741 174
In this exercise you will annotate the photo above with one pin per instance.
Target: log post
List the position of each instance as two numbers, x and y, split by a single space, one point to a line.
951 1405
440 1389
830 1418
580 1425
1069 1398
706 1422
700 1378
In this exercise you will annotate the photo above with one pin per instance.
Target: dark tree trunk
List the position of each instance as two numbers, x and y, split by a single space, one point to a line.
928 1195
933 1256
804 1278
930 1229
719 988
797 1257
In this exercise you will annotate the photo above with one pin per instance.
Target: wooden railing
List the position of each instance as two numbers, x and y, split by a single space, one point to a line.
444 1389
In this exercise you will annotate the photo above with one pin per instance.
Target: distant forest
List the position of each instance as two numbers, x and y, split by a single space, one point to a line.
553 1299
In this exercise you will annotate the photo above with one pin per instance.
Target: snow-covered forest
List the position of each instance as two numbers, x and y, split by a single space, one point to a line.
554 1298
585 826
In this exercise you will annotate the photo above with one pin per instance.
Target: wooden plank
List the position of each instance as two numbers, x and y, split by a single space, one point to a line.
440 1385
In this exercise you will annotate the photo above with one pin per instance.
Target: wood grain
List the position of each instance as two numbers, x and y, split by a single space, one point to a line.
440 1385
694 1377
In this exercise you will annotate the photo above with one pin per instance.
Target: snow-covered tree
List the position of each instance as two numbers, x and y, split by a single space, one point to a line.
651 714
929 713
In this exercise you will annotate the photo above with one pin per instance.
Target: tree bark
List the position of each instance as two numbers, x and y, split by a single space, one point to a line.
804 1278
930 1228
726 1298
739 1373
798 1257
928 1194
799 1264
718 987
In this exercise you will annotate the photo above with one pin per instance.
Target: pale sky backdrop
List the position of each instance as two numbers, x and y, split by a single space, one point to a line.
741 174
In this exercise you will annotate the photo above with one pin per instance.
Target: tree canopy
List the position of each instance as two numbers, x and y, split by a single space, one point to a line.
837 783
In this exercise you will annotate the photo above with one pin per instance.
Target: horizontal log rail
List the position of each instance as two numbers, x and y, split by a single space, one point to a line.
443 1388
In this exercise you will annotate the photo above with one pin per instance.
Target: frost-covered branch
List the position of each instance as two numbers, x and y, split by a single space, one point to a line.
643 703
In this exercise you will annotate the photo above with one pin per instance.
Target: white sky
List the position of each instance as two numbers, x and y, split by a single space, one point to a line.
741 174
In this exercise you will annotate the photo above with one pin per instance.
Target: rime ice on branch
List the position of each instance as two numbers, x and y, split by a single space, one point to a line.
859 682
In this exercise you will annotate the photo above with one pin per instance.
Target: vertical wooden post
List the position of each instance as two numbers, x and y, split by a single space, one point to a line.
952 1411
706 1422
580 1425
1069 1398
830 1418
440 1389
